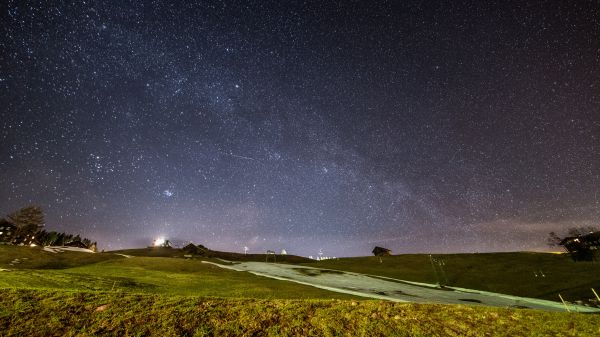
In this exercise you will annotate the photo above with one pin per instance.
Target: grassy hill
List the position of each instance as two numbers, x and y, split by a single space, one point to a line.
39 269
159 293
175 252
518 273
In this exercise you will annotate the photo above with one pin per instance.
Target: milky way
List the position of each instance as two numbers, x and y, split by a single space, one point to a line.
414 125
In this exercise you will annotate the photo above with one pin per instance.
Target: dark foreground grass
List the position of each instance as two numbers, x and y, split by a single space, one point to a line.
26 312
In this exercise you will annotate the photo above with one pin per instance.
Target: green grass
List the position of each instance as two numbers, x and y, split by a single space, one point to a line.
25 312
157 294
155 270
507 273
155 275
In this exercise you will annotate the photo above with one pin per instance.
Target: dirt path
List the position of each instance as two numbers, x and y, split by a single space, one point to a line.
392 289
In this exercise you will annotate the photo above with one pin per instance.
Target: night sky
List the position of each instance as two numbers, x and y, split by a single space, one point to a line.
420 126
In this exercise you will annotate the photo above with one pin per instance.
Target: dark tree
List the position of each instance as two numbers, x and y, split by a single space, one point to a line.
26 225
28 216
87 242
52 239
195 250
380 251
41 237
582 243
553 239
583 230
28 221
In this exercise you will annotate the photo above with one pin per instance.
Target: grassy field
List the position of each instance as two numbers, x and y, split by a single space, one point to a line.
25 312
517 274
155 275
159 293
507 273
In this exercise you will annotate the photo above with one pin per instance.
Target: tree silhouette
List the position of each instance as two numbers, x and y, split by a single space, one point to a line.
553 239
27 220
28 223
579 231
582 243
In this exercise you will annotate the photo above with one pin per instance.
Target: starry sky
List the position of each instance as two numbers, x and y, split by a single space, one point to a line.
325 126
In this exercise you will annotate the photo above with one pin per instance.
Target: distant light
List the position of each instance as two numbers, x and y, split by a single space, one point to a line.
32 245
159 242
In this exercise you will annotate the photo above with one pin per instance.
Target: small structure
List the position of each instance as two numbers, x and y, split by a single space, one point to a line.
283 252
380 251
193 249
270 252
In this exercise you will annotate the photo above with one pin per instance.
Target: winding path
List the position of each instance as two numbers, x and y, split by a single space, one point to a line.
392 289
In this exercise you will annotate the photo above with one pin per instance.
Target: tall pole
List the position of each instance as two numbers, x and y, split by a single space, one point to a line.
595 293
563 302
434 270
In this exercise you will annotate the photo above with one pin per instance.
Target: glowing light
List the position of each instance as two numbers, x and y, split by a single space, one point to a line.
159 242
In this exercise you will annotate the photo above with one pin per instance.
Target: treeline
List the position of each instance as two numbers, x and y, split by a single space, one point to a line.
25 227
582 243
63 239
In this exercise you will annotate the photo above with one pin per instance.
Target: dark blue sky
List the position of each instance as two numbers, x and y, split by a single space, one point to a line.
418 126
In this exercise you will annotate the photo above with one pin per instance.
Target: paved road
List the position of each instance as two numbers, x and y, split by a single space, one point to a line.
392 289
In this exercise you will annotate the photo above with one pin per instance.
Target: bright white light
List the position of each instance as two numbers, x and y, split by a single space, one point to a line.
159 242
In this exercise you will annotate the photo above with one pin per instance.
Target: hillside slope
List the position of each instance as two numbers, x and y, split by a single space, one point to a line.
538 275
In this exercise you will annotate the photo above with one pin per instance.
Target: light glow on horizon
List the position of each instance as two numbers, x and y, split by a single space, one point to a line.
159 242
